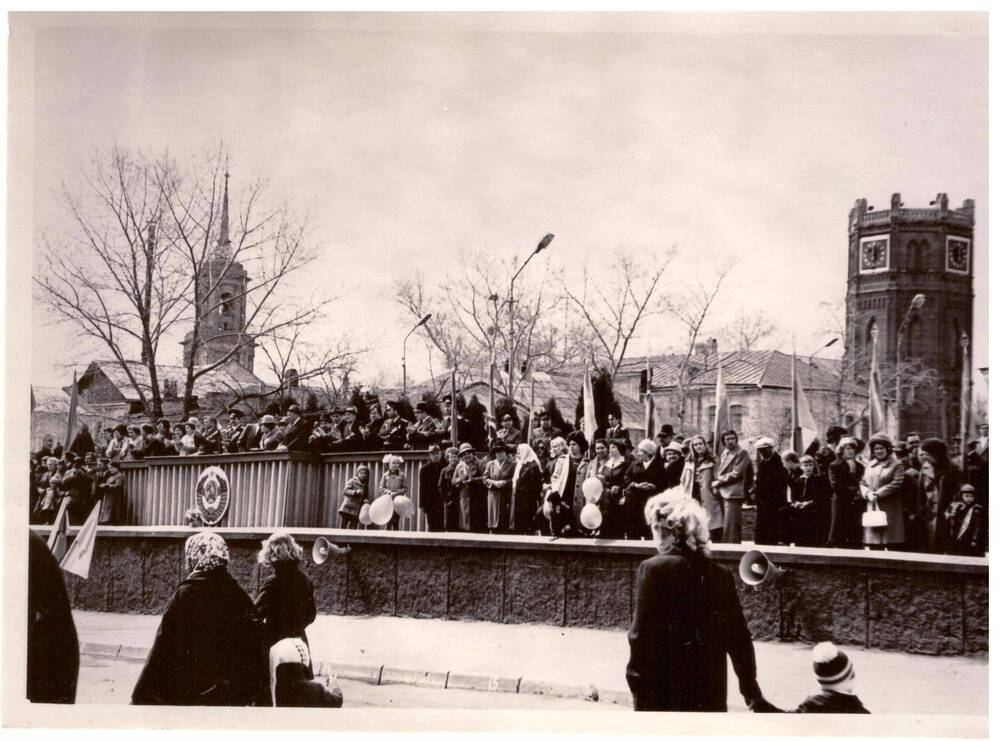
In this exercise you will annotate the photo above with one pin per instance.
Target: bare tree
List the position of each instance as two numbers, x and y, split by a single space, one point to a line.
269 241
691 310
113 278
746 331
614 308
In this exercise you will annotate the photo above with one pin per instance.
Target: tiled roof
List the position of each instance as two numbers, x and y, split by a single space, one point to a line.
225 379
56 401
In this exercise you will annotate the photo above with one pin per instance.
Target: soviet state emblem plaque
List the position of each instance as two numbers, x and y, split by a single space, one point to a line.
212 494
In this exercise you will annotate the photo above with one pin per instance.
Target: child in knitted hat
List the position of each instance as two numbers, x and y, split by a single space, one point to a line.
835 674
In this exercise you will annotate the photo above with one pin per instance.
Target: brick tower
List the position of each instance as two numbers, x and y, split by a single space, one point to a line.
222 290
894 256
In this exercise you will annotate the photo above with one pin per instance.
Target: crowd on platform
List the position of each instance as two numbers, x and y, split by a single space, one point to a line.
914 494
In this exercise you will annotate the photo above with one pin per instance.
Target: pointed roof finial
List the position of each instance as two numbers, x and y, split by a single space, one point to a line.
222 246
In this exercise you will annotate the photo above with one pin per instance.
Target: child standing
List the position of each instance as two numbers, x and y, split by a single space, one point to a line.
393 483
965 519
835 675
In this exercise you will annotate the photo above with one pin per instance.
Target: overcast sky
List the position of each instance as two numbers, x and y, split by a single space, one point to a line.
411 137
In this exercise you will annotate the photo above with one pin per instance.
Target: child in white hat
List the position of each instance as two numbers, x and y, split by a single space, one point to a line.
835 675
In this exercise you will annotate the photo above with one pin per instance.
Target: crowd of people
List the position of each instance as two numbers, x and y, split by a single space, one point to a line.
913 494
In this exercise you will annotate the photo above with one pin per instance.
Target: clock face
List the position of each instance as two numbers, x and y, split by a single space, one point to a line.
874 254
958 255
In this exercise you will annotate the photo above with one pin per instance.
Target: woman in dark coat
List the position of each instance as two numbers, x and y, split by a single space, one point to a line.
846 504
770 487
687 620
614 476
809 511
285 603
208 649
53 648
526 491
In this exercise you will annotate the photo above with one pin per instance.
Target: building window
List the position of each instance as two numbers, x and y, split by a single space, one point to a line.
224 305
711 417
736 417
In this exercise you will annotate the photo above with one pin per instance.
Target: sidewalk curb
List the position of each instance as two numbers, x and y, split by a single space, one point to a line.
380 674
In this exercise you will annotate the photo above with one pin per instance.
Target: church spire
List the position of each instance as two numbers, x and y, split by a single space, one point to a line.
222 246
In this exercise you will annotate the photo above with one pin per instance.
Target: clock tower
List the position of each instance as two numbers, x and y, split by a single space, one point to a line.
895 255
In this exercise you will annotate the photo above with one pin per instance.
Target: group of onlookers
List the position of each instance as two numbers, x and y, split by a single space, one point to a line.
81 480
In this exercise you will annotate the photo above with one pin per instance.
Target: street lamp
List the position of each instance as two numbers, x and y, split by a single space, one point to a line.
831 343
545 241
915 304
416 326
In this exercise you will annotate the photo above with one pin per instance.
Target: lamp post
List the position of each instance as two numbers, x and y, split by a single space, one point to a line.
831 343
545 241
915 305
416 326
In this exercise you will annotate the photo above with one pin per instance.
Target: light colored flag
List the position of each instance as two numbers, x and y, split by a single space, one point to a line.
650 405
57 538
78 557
876 406
721 410
803 423
589 410
71 420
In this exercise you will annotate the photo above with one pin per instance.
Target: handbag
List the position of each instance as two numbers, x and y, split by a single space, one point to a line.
874 517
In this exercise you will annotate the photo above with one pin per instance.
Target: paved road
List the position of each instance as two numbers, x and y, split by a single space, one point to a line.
110 682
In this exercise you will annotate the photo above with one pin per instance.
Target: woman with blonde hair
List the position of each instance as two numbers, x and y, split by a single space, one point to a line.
285 603
697 478
687 618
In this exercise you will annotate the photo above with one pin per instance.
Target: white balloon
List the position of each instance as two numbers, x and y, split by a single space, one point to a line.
364 517
403 505
381 510
592 489
590 516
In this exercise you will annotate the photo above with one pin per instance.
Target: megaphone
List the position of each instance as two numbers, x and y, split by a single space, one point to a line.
756 568
321 550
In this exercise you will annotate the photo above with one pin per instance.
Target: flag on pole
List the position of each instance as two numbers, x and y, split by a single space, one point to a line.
71 420
77 558
721 410
491 417
589 410
57 538
876 407
966 400
806 431
531 409
454 410
650 406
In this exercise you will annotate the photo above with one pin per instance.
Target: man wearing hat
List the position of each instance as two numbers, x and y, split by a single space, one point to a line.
78 485
425 430
392 433
235 430
297 431
270 435
770 493
730 482
646 477
508 434
351 435
453 417
663 437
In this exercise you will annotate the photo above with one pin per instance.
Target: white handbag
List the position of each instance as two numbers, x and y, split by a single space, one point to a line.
874 517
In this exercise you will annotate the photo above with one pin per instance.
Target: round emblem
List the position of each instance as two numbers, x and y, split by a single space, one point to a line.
212 494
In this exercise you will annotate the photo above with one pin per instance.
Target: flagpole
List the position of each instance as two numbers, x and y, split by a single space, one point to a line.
649 400
966 399
454 410
71 419
491 424
796 429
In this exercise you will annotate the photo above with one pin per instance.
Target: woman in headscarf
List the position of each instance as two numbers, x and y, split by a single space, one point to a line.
208 649
809 510
845 487
285 603
355 496
938 486
697 478
882 487
688 619
292 682
526 491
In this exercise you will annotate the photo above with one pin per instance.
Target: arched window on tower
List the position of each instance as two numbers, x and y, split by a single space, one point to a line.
869 333
913 261
225 305
925 255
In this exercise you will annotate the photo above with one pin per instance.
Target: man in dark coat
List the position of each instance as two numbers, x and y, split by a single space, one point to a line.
235 432
78 485
431 501
211 438
209 647
828 453
688 619
83 443
352 436
53 649
616 431
424 430
296 436
770 493
447 490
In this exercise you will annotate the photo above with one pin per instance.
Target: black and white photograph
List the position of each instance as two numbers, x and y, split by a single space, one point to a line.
497 372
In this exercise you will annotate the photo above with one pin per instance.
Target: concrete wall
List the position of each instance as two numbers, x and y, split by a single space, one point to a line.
904 602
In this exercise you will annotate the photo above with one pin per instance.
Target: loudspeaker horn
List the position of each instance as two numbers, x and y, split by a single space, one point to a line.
756 568
321 550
